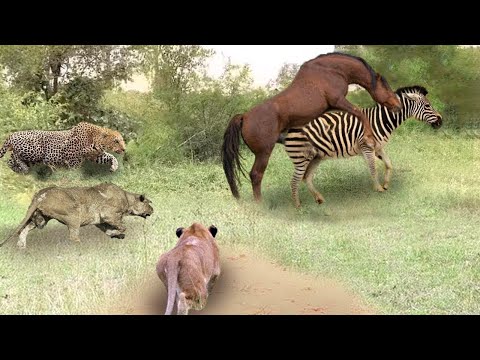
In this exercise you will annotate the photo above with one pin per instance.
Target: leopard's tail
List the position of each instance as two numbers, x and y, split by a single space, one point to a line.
6 146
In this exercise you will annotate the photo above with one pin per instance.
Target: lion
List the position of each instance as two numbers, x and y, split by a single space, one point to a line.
103 205
190 270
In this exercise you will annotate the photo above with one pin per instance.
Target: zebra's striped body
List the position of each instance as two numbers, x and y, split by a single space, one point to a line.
339 134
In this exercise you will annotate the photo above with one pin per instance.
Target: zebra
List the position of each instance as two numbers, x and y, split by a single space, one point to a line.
338 134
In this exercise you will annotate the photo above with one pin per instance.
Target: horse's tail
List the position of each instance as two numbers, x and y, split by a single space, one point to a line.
6 146
232 165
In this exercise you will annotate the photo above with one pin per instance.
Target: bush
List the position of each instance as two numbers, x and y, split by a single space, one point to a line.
192 128
150 139
202 117
15 116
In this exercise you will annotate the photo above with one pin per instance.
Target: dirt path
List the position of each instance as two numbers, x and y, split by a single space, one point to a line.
250 285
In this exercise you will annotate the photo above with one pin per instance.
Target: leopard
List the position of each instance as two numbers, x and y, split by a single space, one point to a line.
63 148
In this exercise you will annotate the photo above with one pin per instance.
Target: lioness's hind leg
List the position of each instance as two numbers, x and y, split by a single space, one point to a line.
182 306
22 238
40 220
211 283
74 231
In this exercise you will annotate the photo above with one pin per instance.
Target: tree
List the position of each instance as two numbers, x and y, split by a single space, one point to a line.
449 72
48 68
285 76
173 70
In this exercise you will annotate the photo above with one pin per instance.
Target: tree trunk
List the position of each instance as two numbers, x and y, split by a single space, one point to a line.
55 67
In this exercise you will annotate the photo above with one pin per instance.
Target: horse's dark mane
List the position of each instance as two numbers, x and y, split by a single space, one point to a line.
385 83
414 88
369 68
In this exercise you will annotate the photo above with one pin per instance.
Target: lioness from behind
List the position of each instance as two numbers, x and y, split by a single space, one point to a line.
190 269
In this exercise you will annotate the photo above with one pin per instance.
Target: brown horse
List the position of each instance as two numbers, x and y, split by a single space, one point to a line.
320 84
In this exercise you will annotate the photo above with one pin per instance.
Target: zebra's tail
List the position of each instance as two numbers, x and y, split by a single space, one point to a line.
232 165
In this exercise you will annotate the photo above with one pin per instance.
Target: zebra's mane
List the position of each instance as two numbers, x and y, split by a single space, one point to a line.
416 89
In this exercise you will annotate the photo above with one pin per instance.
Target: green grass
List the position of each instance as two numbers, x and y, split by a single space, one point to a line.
414 249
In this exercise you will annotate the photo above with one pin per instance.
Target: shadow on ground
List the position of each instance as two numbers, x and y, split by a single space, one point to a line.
249 286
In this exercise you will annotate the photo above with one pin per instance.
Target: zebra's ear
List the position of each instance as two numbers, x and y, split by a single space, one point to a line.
413 96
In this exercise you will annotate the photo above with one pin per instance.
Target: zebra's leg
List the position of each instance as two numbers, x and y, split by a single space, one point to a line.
106 158
309 175
301 161
300 168
369 155
388 167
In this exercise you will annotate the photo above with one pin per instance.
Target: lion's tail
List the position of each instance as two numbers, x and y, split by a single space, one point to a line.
172 281
26 219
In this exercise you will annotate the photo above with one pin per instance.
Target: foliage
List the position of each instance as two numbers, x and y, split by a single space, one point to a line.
192 128
73 75
15 116
285 76
153 139
47 68
202 116
174 70
449 72
186 113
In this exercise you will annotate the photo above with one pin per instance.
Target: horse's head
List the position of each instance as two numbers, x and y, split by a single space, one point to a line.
384 95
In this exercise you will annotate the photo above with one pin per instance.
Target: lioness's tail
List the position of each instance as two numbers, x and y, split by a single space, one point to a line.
172 280
6 146
231 153
26 219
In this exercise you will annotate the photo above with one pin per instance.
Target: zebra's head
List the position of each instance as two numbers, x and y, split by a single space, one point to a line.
416 104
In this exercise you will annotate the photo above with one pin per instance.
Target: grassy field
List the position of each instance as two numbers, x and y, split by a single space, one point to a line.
414 249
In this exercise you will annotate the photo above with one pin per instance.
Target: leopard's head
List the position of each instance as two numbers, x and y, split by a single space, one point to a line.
108 139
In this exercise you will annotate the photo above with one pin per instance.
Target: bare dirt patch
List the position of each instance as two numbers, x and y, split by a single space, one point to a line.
250 285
